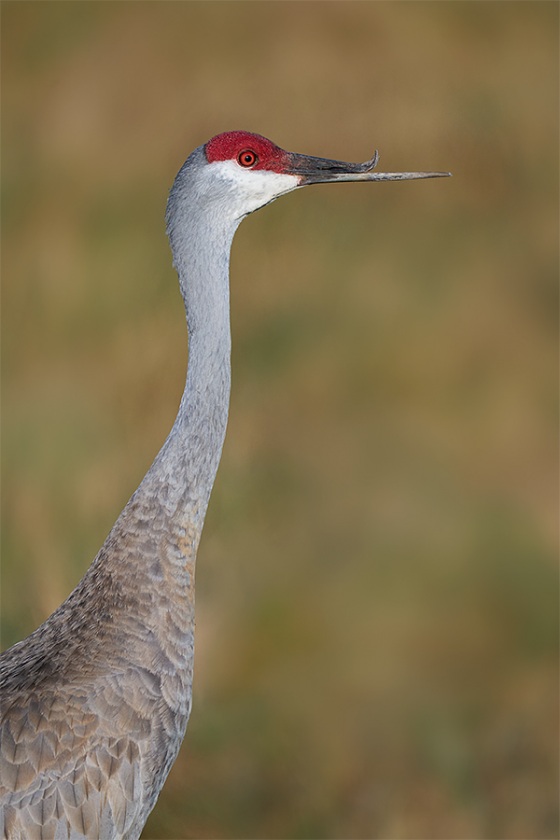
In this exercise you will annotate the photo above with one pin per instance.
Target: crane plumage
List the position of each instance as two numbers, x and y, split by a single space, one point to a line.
95 702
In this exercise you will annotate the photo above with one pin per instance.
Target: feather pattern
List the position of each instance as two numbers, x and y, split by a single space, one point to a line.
96 701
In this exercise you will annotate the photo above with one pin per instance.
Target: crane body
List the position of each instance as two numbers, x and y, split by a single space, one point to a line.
95 702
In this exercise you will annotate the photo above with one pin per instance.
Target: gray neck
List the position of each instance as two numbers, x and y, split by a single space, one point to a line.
183 473
140 587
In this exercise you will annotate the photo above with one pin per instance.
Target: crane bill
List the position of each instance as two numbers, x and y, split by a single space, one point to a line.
314 170
326 177
387 176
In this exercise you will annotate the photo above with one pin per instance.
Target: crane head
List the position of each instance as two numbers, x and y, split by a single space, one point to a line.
258 171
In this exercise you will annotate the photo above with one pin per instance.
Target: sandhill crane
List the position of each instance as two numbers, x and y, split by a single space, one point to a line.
95 702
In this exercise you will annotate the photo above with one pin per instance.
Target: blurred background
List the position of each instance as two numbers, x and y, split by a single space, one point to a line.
377 588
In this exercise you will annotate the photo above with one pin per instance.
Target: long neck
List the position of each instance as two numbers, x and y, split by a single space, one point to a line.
183 473
143 576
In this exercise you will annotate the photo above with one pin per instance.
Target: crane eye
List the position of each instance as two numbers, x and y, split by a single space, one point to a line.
247 158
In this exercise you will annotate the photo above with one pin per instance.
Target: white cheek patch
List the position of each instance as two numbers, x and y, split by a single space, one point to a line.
253 187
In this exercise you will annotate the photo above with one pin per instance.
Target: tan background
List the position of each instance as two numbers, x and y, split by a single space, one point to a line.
377 586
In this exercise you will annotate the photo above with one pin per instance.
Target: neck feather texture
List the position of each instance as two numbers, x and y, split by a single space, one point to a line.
177 486
186 466
118 653
140 587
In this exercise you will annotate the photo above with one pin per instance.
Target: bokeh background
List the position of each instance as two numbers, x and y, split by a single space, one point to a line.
377 585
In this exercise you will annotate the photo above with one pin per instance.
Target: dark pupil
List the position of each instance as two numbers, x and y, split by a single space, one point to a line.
248 158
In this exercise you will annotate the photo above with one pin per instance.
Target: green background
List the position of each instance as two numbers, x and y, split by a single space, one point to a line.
377 585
